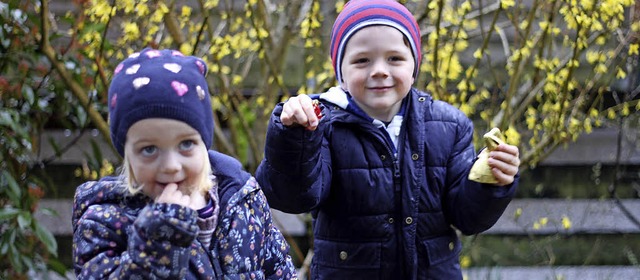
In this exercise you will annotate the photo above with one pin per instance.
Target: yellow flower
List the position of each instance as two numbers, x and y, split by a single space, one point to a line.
339 6
465 261
544 221
504 4
477 54
518 213
186 11
633 49
536 226
566 223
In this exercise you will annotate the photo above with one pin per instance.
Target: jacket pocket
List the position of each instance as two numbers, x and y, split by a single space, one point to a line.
437 250
346 260
364 255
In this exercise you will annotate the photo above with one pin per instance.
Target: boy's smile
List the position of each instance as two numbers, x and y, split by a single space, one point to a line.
378 73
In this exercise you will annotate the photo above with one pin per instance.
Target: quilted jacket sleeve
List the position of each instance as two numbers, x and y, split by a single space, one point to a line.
108 244
472 207
249 245
295 172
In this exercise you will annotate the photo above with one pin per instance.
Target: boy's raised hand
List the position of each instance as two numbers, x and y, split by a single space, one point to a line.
299 110
504 162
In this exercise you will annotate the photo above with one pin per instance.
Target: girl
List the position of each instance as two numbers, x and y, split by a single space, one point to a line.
178 210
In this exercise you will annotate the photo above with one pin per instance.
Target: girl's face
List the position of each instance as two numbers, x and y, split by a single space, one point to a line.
377 70
163 151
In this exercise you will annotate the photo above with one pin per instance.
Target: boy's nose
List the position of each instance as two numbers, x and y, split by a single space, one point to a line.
380 69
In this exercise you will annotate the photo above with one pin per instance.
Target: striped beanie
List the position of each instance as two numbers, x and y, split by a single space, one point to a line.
358 14
159 84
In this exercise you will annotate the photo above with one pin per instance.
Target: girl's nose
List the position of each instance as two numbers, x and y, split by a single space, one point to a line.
169 163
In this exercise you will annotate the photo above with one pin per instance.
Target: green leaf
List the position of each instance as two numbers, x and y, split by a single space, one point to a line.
14 257
47 239
7 239
14 191
28 94
54 146
97 153
49 212
8 213
57 266
5 118
24 220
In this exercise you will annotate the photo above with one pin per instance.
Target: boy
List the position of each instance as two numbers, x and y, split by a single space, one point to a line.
384 169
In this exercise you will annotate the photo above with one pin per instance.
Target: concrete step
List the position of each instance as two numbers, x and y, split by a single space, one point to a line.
517 273
553 273
522 216
586 216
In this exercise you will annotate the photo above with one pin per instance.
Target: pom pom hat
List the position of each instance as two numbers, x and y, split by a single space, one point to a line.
159 84
358 14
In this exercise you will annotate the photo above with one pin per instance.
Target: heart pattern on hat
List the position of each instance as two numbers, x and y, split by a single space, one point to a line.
153 53
159 84
179 87
200 92
140 82
118 68
113 100
201 67
173 67
132 69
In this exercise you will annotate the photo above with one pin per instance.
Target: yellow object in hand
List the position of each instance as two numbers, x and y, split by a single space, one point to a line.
480 171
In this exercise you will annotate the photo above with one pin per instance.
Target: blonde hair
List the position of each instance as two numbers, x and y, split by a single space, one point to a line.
203 184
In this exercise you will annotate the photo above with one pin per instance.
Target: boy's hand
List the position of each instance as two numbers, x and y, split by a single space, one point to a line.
504 162
171 194
299 110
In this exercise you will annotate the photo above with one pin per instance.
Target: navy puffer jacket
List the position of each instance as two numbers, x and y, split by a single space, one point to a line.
377 215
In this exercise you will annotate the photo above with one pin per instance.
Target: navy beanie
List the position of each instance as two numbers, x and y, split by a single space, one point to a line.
159 84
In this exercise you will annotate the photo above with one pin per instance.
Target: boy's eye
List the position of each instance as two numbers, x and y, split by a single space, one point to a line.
148 150
396 58
187 145
361 60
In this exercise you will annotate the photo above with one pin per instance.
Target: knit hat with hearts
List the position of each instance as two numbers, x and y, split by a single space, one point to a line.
159 84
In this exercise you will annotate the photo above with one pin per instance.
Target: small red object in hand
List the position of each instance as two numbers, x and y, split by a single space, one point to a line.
316 108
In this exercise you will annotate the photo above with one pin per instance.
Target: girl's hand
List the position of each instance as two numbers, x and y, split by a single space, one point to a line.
504 162
299 110
171 194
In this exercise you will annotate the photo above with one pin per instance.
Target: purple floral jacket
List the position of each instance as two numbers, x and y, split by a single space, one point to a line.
118 236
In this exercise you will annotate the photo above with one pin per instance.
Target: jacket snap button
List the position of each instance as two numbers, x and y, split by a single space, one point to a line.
391 220
421 99
383 157
408 220
414 156
343 255
450 246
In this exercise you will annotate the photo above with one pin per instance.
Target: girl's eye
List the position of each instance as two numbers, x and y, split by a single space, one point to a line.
187 145
396 58
148 150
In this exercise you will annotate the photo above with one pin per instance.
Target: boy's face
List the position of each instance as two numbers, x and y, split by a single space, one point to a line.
377 70
163 151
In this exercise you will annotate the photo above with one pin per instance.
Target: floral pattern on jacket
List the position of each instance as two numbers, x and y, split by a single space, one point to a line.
118 236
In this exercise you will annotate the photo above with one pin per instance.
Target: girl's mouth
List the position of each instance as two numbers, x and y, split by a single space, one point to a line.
164 185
